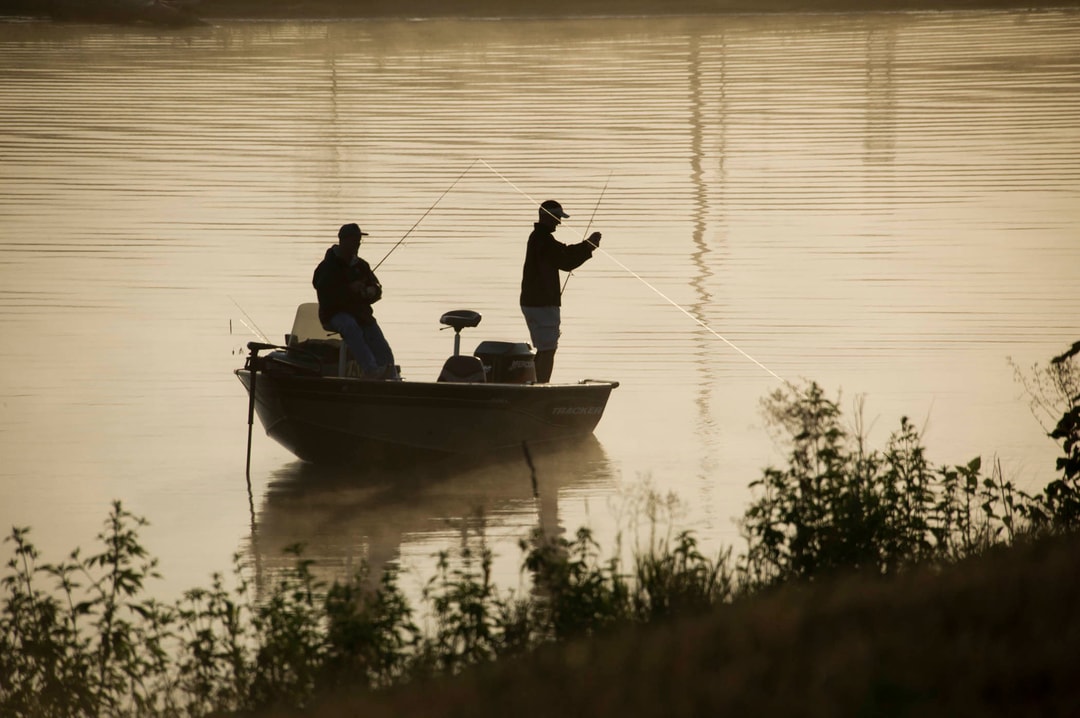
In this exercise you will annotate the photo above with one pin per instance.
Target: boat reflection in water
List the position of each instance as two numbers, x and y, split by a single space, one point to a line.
344 516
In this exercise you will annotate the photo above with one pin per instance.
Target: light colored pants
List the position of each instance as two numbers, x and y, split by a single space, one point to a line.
366 342
543 325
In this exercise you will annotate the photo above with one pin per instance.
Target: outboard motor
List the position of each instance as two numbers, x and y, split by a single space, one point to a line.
507 362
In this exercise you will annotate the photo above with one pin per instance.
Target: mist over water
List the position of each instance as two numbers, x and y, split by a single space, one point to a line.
886 204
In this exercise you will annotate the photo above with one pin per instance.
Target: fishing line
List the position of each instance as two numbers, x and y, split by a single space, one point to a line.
251 327
425 214
700 323
660 294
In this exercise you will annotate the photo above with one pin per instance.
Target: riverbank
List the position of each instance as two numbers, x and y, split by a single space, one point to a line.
992 637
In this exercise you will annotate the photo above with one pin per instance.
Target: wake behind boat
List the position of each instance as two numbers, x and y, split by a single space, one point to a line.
311 399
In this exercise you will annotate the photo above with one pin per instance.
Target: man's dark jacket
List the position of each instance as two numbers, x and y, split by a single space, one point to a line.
544 257
331 281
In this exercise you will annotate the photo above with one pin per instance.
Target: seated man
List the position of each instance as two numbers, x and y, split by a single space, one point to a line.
347 288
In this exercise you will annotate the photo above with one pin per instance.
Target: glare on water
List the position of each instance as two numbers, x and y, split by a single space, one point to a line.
886 204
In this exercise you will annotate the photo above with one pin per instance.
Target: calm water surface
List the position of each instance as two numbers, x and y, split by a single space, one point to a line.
886 204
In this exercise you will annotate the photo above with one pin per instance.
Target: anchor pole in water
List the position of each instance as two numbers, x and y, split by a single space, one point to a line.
532 468
251 411
253 367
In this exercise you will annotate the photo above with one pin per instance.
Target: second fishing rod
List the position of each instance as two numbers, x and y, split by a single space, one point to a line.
652 287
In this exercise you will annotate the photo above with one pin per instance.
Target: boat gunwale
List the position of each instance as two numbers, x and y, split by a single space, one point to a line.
382 386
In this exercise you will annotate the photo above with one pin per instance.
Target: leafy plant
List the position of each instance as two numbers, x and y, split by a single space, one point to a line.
212 662
465 606
1054 392
91 645
679 580
370 634
838 506
289 629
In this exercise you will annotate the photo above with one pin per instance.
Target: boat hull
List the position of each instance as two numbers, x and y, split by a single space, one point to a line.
331 419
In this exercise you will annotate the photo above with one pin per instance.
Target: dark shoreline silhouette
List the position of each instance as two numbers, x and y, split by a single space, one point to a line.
181 13
582 8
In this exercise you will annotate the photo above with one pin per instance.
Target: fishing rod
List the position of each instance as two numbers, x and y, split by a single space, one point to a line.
425 214
588 227
252 327
660 294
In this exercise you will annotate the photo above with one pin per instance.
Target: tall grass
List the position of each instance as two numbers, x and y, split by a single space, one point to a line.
80 637
839 506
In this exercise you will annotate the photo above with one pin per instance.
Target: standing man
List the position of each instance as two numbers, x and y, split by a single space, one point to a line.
347 288
541 299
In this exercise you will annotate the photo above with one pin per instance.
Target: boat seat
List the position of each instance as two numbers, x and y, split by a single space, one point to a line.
458 319
463 369
307 327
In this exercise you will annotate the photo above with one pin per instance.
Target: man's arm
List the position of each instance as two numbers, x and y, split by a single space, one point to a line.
568 257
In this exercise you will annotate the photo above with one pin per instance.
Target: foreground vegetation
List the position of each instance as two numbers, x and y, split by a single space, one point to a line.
870 582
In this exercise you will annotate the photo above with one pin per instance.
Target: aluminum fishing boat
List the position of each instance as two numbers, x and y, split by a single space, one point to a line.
311 398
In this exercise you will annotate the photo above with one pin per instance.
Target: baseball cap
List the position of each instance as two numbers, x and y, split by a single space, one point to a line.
554 208
350 231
